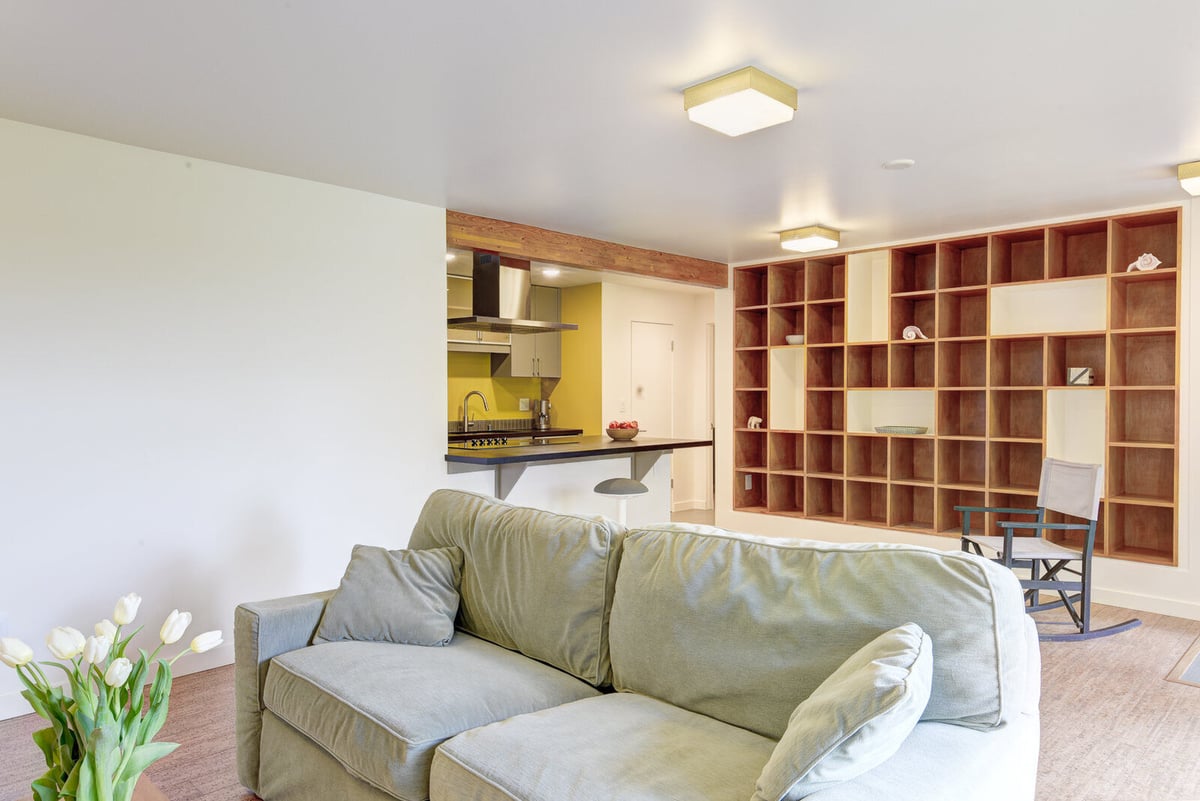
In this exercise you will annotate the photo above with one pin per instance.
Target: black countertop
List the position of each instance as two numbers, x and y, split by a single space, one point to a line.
459 436
584 447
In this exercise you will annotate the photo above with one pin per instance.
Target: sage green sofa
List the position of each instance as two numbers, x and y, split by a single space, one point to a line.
590 662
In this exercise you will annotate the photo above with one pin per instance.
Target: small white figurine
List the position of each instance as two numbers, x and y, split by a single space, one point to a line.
754 422
912 332
1146 261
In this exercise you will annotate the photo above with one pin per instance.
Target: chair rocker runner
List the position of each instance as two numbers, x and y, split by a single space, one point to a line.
1071 490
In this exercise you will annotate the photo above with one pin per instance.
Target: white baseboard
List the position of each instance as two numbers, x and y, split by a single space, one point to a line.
1147 603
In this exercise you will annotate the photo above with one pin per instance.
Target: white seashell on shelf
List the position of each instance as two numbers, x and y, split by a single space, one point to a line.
911 332
1146 261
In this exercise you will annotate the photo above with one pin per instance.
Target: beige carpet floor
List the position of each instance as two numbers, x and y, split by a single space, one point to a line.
1113 727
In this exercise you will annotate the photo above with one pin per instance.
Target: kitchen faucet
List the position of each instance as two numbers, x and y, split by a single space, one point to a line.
467 420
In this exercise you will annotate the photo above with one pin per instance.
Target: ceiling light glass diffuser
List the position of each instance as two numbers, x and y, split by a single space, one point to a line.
740 102
1189 177
809 238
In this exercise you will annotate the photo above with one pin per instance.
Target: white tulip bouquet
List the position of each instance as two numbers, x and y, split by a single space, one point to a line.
100 735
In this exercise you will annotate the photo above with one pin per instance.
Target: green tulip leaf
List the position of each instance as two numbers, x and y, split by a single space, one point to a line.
45 790
144 756
86 788
47 741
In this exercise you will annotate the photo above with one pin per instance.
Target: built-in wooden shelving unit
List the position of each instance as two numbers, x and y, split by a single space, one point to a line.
1006 315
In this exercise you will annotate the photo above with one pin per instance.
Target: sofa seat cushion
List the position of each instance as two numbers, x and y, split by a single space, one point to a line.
617 746
381 709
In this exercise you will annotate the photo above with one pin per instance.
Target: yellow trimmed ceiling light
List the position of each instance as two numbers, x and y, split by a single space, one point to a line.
809 238
740 102
1189 177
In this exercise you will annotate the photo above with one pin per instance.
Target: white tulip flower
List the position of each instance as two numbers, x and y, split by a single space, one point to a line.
127 608
118 672
65 642
95 649
14 653
174 626
206 641
106 628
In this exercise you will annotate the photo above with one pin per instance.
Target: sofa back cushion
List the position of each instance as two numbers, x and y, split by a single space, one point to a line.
743 628
532 581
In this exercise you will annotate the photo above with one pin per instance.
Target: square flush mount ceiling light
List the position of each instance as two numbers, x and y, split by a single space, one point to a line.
809 238
740 102
1189 177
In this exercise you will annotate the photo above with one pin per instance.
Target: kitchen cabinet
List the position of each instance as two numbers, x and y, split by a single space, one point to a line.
536 355
458 304
1007 314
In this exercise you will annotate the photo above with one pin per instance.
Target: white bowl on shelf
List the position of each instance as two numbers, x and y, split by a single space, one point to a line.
794 339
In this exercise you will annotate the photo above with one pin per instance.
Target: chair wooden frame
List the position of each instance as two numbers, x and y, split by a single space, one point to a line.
1053 567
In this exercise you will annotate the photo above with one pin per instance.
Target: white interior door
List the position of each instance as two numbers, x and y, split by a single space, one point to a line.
652 363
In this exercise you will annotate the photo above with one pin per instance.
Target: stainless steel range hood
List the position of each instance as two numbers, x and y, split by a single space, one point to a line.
500 299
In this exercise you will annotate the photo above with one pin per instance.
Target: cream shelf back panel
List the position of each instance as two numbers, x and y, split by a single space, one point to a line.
1050 307
867 408
1075 425
785 410
867 296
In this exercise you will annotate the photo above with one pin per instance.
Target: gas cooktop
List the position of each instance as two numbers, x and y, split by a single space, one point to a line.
515 440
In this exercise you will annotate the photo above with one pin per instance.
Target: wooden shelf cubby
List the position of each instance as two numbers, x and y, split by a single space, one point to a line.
867 502
962 313
963 263
825 498
962 363
1006 314
867 457
911 507
1078 249
1018 256
785 283
867 366
912 364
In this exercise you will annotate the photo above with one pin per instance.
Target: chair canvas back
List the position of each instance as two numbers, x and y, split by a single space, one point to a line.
1071 488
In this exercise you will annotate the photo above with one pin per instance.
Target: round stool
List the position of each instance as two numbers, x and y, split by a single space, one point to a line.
622 489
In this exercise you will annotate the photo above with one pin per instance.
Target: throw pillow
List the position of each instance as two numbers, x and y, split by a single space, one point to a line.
855 719
407 597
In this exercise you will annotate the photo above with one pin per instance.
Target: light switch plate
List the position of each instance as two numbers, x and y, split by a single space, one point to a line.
523 405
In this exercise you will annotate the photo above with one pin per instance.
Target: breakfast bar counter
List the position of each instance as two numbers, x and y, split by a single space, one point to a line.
581 448
560 475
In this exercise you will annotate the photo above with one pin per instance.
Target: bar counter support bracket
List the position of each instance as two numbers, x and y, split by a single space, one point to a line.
641 463
507 476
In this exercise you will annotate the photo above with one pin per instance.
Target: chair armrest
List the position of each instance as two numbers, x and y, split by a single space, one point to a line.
1035 525
1000 509
263 630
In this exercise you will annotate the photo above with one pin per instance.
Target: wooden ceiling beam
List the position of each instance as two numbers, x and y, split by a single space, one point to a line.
470 232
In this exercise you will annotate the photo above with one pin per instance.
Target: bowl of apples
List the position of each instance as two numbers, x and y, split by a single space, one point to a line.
623 429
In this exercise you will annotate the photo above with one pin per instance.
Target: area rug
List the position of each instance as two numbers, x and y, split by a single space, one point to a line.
1187 671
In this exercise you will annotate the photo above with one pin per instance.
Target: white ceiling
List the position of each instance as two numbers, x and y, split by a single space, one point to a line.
569 115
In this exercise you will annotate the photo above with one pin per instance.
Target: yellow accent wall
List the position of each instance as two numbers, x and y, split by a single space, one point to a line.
577 397
468 371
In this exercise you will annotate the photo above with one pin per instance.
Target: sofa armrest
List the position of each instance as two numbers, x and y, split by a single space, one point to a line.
263 630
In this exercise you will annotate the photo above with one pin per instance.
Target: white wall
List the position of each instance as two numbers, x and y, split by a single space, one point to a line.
214 382
1152 588
688 313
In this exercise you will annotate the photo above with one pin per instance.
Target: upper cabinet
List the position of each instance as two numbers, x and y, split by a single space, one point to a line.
458 304
535 355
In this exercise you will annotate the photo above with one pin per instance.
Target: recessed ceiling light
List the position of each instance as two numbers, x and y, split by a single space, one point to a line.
899 164
809 238
1189 177
742 101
